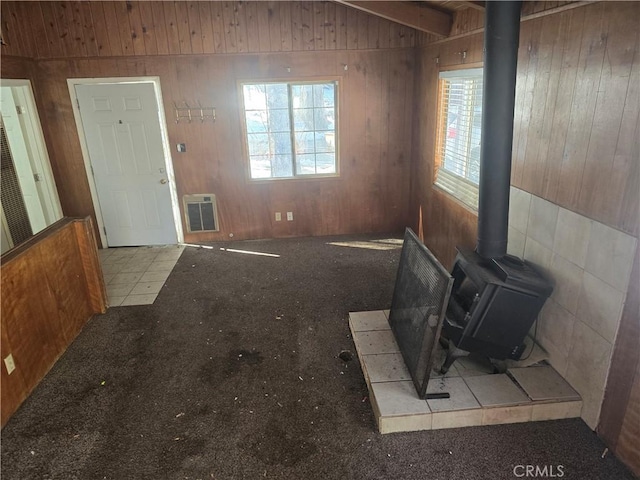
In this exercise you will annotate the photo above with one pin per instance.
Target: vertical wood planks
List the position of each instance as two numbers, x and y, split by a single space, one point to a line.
101 31
229 21
171 23
148 28
217 22
583 104
275 33
112 26
135 22
599 191
195 27
137 28
182 23
562 106
160 28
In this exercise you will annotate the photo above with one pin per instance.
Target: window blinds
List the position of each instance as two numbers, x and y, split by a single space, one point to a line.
460 122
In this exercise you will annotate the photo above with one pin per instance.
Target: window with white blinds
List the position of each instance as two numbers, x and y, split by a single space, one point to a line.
459 128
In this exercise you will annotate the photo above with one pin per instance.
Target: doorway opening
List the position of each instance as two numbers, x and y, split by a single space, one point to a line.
30 200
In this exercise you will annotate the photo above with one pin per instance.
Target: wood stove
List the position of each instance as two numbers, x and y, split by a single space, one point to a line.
495 297
492 306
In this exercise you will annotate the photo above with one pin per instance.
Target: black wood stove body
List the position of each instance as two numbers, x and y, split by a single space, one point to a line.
492 306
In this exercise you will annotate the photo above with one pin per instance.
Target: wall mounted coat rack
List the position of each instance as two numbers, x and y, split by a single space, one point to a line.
189 113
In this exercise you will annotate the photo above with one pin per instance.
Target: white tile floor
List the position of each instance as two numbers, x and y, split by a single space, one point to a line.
477 397
135 275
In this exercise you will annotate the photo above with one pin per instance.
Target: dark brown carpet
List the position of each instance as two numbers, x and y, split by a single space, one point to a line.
234 373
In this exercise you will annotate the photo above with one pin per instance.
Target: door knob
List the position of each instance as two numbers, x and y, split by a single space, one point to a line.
163 181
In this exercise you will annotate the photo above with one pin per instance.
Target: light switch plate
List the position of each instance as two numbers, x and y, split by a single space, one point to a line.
278 217
289 216
9 363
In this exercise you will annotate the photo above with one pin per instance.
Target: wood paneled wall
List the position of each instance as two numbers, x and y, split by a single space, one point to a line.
576 143
200 50
577 107
371 193
576 121
620 416
66 29
17 67
51 285
471 20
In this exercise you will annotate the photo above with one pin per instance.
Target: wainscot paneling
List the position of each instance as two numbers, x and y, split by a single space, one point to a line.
51 285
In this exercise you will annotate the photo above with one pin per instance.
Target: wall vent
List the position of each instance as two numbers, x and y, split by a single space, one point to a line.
201 212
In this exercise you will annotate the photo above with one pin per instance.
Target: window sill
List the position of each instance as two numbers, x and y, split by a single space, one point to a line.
312 178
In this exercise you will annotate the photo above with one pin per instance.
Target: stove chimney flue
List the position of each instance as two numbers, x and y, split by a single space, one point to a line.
501 39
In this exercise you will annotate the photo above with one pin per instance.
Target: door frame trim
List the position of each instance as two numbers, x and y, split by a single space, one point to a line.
155 80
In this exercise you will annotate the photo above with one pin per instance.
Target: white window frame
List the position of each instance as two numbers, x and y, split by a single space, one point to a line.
295 175
461 187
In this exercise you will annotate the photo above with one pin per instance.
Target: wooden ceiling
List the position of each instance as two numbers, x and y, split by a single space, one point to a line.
434 17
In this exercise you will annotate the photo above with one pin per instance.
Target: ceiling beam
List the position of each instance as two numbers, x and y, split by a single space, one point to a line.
411 14
475 5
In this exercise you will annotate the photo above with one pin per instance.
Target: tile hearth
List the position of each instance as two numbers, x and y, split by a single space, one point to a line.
477 397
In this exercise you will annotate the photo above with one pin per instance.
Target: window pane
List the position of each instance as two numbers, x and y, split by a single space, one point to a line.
280 143
306 164
328 94
324 119
326 163
260 166
305 143
281 166
303 120
258 143
460 125
277 95
302 96
279 120
254 97
256 121
462 100
270 110
325 142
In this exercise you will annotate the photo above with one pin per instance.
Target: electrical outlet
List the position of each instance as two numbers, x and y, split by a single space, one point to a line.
278 217
9 363
289 216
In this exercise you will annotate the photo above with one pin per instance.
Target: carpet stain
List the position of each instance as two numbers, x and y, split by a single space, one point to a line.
279 447
215 371
239 358
180 449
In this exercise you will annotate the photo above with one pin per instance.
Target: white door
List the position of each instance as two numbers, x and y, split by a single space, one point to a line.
123 136
20 156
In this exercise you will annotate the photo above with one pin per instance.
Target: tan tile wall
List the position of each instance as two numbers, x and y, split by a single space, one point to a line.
591 265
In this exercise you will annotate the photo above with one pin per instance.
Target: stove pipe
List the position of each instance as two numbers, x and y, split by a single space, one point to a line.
501 38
